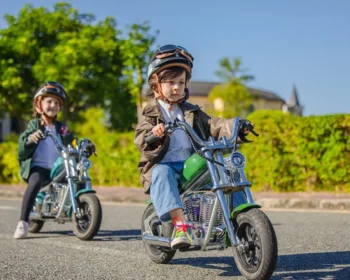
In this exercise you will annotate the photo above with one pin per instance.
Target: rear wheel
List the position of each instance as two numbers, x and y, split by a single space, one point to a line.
34 226
88 224
258 259
157 254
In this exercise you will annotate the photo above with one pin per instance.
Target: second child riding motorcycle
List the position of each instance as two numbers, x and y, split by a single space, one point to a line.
68 196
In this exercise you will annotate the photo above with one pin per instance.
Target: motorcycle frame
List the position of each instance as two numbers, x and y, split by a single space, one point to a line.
223 187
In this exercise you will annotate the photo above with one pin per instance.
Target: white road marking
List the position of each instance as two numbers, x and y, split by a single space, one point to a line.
8 208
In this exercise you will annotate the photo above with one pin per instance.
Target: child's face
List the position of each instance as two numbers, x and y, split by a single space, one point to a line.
174 89
50 106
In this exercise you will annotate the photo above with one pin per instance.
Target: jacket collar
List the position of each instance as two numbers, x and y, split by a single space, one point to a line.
152 109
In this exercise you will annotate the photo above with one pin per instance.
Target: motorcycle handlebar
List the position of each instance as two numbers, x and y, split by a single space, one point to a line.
238 124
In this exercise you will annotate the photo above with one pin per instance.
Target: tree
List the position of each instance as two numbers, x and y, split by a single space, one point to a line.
232 97
137 57
88 58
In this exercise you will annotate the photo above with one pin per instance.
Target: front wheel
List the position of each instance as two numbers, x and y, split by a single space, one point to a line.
88 224
258 259
157 254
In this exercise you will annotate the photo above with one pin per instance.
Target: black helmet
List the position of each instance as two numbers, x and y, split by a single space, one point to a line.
53 88
170 56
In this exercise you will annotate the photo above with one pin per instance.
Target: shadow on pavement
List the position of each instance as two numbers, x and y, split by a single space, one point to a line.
325 266
103 235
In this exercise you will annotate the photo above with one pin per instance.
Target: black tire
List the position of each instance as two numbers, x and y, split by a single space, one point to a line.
34 226
89 224
254 229
157 254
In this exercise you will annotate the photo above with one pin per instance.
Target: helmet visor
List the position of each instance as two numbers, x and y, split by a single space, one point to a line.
169 50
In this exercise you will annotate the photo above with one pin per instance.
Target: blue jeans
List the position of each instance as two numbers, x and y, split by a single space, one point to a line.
164 188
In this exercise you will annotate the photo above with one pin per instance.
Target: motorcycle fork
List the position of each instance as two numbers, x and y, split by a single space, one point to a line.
70 165
219 178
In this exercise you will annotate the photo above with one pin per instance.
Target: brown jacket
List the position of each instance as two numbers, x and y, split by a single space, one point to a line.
204 126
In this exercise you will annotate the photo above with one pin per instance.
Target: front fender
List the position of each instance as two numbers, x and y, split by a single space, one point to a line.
79 193
148 201
242 208
239 209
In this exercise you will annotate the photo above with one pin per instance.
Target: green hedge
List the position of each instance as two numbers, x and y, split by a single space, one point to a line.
299 153
292 153
117 157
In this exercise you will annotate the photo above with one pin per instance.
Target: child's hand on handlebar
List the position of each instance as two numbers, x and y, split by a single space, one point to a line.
159 130
36 136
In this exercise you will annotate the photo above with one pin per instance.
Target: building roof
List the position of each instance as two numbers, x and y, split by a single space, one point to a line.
198 88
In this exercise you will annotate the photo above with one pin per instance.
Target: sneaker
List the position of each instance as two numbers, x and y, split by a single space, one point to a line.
21 230
181 238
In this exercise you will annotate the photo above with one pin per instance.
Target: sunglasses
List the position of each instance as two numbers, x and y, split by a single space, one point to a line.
169 50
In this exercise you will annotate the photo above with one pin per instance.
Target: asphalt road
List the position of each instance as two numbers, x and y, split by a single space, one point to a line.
312 245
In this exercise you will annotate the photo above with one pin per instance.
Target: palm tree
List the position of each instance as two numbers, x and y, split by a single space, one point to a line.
232 94
231 71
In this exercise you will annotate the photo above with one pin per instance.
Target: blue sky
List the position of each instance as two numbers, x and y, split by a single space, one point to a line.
306 43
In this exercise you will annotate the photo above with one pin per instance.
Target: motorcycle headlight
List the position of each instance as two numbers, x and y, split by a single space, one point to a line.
236 160
85 164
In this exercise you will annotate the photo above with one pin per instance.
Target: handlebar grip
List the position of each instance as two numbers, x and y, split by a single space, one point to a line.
151 139
256 134
29 143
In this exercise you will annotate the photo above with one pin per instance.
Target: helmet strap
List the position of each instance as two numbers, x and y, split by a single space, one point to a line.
42 113
158 94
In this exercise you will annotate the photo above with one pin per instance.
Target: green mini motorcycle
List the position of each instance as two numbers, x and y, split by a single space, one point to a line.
68 196
218 205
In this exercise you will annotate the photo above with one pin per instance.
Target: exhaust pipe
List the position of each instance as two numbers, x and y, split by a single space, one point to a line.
35 216
156 240
42 216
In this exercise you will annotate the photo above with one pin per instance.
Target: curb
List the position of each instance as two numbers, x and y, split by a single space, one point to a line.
298 203
325 201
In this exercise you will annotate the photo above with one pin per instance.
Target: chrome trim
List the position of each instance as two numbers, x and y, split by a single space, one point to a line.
46 217
156 240
209 229
248 195
234 130
194 135
212 169
227 220
247 191
221 169
70 165
63 202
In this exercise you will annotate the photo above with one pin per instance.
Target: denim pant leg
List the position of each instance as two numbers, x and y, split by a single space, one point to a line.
164 188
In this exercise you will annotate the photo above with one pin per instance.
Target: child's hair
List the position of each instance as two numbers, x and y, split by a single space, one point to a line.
166 74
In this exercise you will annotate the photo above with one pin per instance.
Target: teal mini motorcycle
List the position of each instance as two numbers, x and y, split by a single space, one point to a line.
68 196
218 206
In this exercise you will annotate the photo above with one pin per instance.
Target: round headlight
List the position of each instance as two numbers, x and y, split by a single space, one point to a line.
237 160
86 164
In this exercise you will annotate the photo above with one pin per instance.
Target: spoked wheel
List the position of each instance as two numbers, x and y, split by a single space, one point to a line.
258 257
34 226
88 224
157 254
